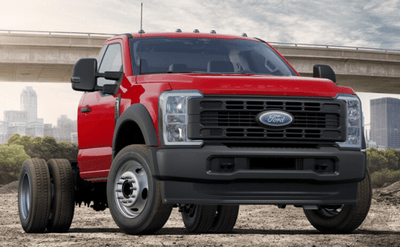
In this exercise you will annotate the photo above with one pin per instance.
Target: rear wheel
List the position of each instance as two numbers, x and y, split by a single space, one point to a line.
343 218
34 195
62 195
133 195
225 218
198 218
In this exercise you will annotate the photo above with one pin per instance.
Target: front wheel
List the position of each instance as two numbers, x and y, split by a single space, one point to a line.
343 218
133 195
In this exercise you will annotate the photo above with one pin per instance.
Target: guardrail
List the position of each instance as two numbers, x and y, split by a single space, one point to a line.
334 46
55 32
272 43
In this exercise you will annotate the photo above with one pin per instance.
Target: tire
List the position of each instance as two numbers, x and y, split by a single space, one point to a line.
34 195
62 195
225 219
343 218
133 195
198 218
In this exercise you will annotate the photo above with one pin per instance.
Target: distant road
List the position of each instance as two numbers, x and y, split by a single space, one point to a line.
49 57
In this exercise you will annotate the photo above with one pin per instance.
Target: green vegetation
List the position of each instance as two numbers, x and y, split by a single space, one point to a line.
384 166
11 159
20 148
379 159
385 176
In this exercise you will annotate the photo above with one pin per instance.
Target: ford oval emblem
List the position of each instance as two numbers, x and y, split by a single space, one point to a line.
274 118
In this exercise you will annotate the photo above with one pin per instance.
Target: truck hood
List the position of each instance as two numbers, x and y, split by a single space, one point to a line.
249 84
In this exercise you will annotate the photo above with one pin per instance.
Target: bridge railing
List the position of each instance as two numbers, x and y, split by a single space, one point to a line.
272 43
334 47
54 32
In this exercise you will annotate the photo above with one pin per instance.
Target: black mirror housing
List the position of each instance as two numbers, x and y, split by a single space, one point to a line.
111 75
109 88
324 71
84 75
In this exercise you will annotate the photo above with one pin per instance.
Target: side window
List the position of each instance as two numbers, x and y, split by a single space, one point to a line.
112 61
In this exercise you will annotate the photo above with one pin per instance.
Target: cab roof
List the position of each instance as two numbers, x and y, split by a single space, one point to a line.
186 35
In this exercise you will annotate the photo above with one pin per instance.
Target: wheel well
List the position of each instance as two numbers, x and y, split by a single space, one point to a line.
128 134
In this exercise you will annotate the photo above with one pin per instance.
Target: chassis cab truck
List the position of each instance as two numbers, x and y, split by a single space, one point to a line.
205 123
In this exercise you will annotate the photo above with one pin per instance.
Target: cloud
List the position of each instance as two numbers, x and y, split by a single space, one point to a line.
369 23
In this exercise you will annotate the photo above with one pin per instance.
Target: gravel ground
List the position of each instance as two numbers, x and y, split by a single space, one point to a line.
257 225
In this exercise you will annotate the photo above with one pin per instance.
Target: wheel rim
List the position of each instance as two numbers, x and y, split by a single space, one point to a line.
52 194
330 211
131 189
25 196
189 211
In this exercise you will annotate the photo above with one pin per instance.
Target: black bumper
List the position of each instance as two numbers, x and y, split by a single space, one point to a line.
222 175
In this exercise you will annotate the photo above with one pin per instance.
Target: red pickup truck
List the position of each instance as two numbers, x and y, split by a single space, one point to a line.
204 123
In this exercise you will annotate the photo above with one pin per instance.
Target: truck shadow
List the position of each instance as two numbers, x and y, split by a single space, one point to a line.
182 231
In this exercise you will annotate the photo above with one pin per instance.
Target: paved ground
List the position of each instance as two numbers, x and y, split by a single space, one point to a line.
256 225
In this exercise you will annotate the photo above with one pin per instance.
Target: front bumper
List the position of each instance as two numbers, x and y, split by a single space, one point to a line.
221 175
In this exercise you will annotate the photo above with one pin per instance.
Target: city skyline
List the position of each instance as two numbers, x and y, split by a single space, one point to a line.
54 99
26 121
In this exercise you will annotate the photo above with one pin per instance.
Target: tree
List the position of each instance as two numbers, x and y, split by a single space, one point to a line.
45 147
393 160
376 160
11 159
14 138
20 140
67 150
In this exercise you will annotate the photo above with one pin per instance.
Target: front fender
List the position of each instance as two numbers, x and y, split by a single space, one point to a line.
138 114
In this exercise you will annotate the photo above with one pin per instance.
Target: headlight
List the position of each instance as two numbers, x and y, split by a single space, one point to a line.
354 121
174 112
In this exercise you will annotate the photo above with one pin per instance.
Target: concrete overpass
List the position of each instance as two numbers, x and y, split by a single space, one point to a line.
49 57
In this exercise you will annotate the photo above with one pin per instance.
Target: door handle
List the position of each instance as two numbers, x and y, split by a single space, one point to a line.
85 109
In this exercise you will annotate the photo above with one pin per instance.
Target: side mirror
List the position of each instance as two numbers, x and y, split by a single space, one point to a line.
84 75
324 71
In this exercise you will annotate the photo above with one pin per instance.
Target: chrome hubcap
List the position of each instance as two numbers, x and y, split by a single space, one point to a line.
130 189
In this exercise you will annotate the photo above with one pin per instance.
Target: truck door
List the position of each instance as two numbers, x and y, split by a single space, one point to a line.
97 121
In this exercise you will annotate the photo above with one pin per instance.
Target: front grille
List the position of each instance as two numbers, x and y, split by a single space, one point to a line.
227 118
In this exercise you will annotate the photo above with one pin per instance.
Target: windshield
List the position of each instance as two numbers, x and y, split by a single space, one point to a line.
199 55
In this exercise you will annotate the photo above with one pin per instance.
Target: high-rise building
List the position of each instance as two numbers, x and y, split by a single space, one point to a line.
29 103
3 132
16 122
65 129
48 130
385 122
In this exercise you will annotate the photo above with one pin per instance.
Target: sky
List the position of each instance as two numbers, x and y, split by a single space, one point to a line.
369 23
359 23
